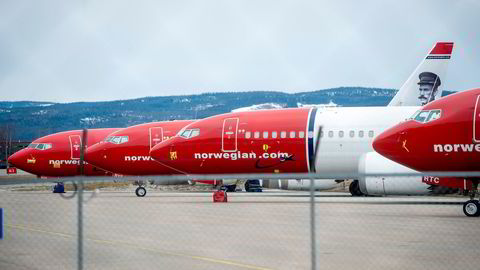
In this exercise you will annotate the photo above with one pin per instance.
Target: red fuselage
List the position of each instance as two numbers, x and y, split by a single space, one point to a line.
443 136
58 155
126 151
270 141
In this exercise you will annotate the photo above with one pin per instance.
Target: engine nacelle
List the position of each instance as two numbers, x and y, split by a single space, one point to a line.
372 163
300 184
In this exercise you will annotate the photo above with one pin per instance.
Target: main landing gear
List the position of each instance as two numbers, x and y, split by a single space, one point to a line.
471 208
354 189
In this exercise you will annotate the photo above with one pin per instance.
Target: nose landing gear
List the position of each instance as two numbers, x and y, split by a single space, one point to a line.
471 208
141 191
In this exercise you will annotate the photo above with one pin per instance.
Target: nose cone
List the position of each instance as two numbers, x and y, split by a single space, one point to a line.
97 156
25 161
164 152
17 159
388 143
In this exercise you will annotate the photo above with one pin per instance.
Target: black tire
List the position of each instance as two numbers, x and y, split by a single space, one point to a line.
471 208
354 189
231 188
141 192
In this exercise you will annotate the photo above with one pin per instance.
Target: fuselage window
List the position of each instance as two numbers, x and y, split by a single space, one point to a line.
321 134
292 134
371 133
360 134
256 135
283 134
301 134
352 133
265 134
274 134
248 135
340 134
330 134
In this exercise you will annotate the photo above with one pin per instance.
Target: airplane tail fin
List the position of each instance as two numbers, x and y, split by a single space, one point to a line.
426 83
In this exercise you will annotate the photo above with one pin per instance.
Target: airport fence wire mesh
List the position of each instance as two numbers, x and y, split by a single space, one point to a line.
270 230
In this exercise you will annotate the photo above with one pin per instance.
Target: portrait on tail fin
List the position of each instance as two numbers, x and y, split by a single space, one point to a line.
428 87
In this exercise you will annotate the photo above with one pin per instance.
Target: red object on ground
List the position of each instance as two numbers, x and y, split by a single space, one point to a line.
220 196
12 170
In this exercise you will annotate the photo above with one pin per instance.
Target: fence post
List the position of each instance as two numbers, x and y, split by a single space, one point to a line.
312 225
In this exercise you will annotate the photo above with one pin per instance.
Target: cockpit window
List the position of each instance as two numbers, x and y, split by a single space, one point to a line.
189 133
117 139
32 145
425 116
40 146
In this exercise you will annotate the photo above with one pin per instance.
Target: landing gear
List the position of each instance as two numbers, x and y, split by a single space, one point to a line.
354 189
141 191
471 208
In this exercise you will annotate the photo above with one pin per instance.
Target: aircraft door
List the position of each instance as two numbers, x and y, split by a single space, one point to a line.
156 136
476 121
229 135
75 144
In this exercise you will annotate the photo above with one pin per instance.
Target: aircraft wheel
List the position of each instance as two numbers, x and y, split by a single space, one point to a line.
354 189
471 208
141 191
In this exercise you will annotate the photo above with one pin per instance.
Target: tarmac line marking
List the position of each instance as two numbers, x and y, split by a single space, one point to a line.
131 245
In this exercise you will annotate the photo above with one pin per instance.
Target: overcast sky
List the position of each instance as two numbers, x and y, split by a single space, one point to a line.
68 51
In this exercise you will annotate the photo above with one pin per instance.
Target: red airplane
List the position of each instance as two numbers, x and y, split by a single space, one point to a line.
126 151
58 155
442 136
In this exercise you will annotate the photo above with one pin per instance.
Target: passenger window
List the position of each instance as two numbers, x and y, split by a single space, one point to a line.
274 134
256 135
330 134
360 134
283 134
292 134
248 135
352 133
370 134
265 134
340 134
301 134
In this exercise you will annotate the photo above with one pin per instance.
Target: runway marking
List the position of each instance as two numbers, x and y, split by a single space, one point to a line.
131 245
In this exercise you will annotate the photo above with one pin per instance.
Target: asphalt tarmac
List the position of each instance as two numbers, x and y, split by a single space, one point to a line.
270 230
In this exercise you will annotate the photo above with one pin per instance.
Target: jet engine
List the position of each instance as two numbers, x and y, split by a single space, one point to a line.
372 163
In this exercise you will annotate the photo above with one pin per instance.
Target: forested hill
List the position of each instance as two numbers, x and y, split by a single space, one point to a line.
30 120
